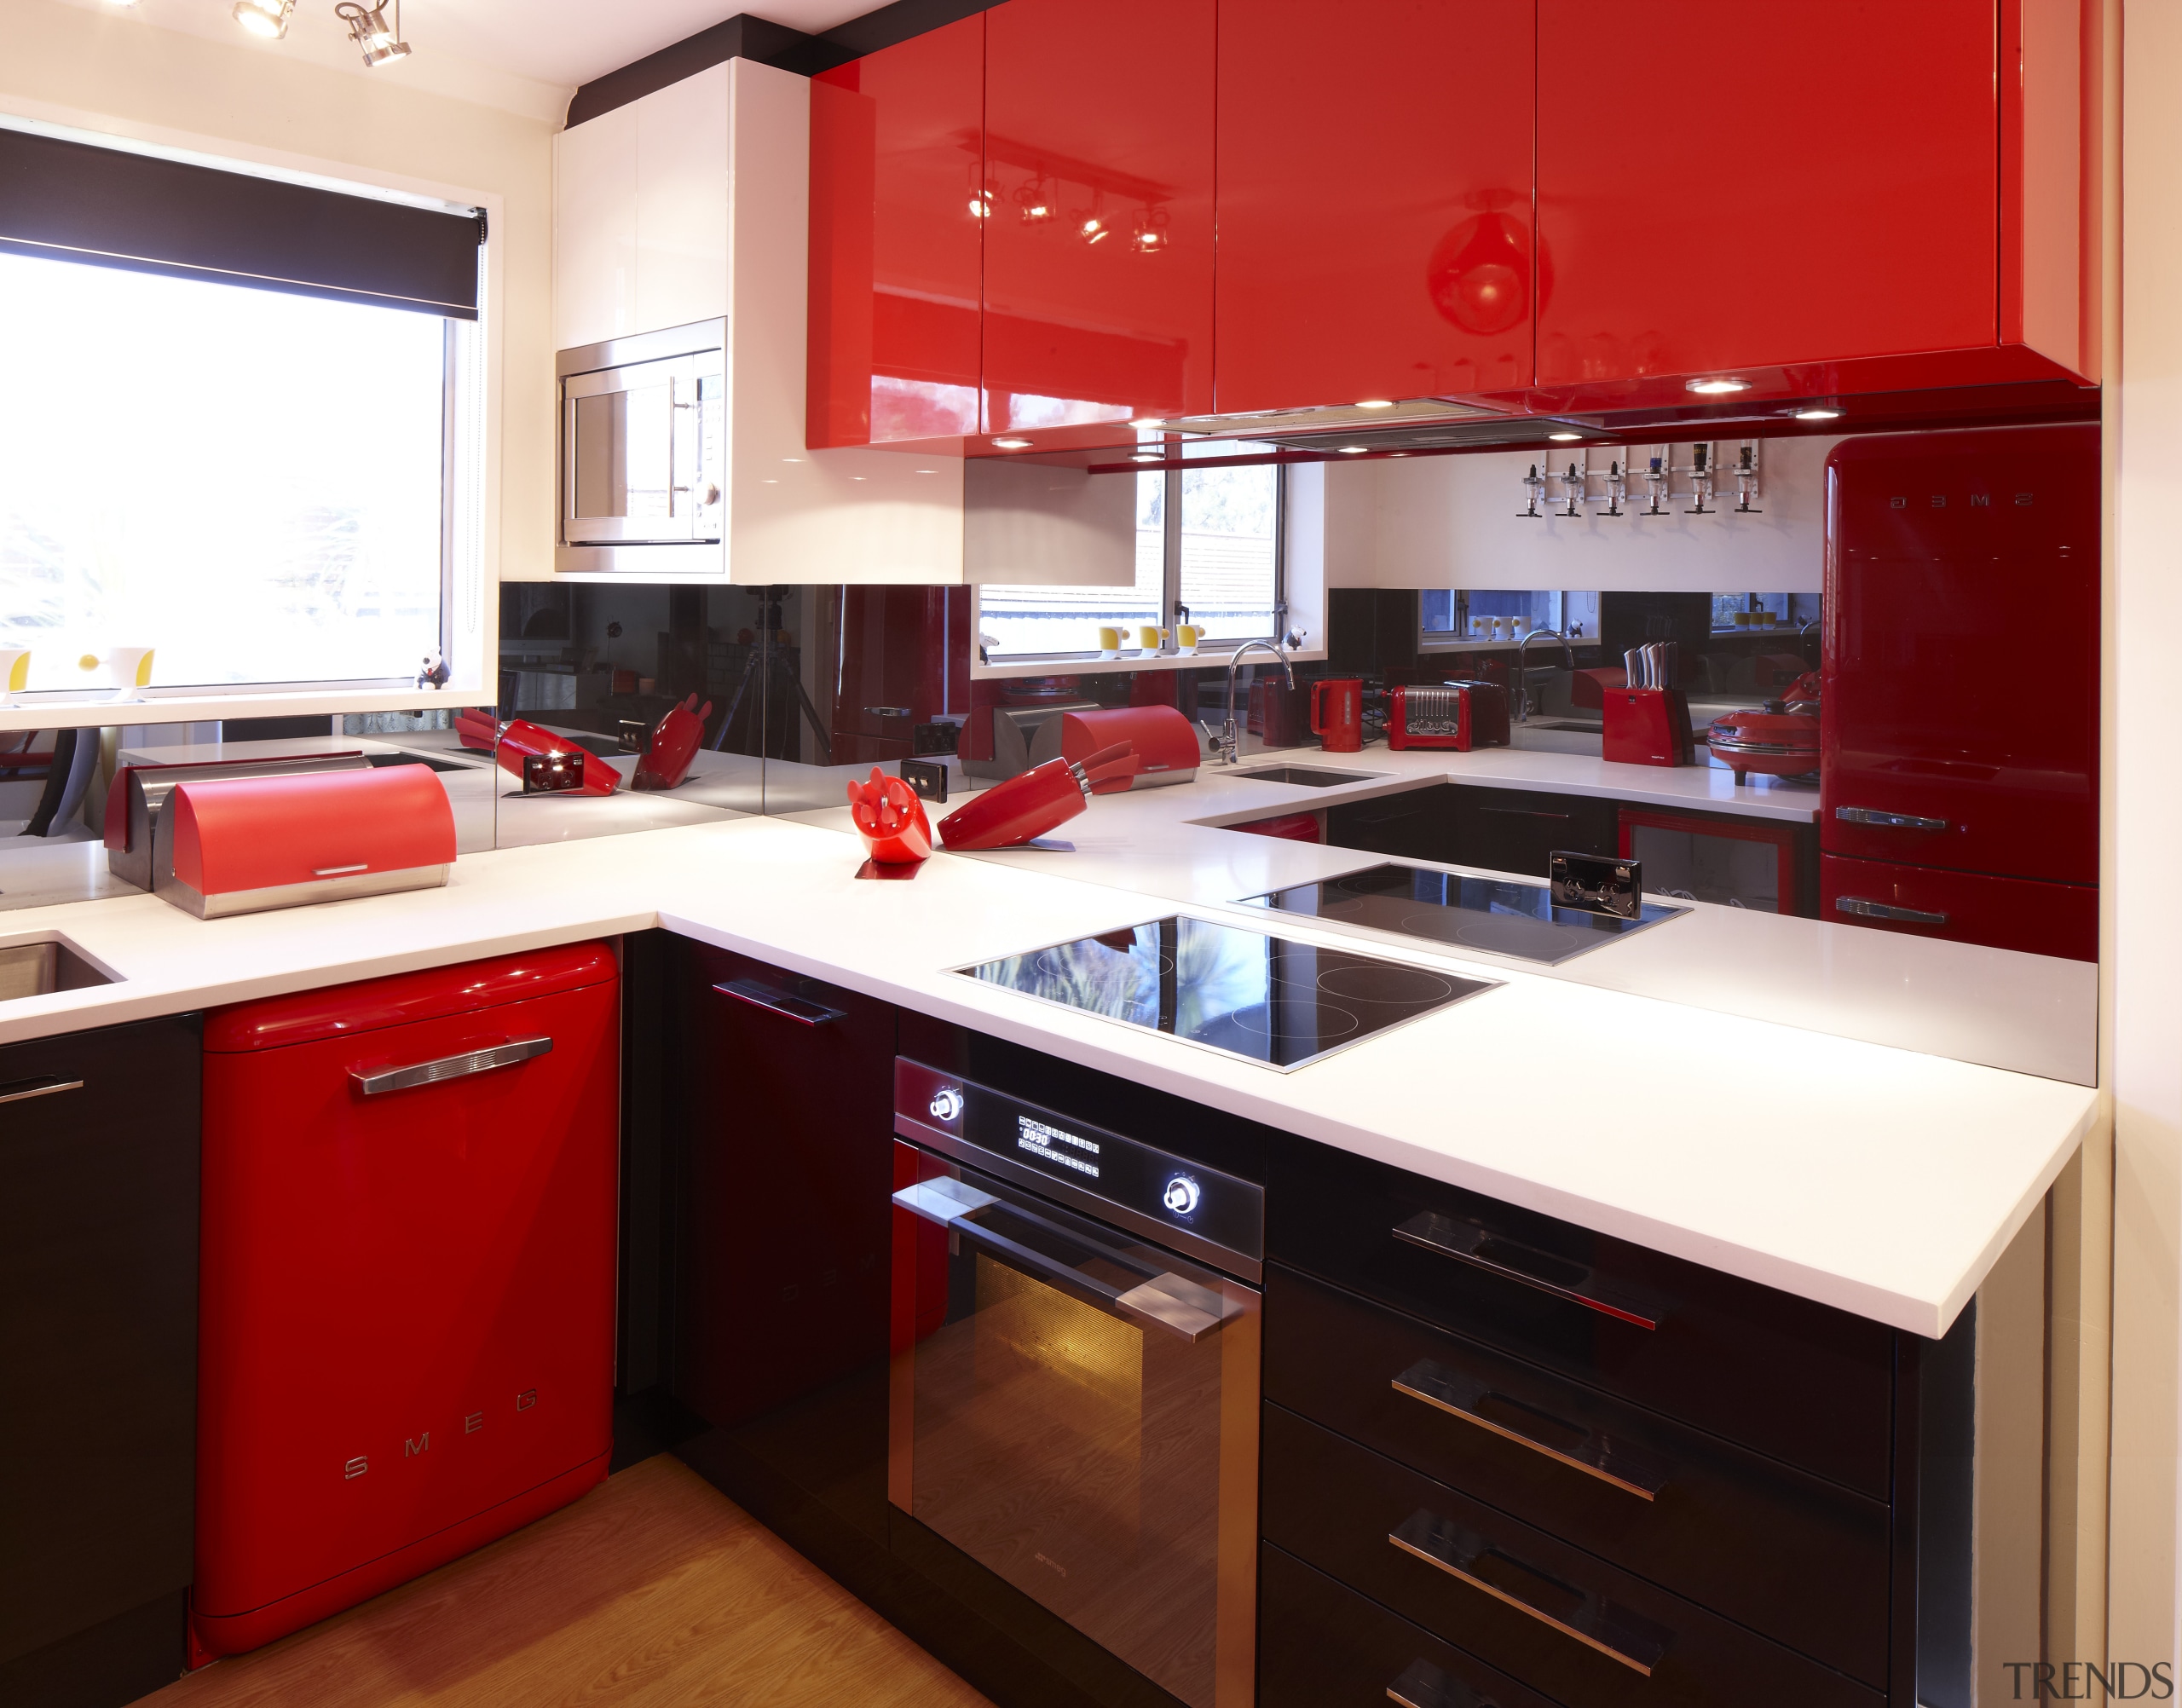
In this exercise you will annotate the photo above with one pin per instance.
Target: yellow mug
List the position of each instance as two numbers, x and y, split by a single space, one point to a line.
1109 642
1186 637
14 669
130 668
1149 639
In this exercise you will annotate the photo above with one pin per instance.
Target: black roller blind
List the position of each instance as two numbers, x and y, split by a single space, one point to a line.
74 201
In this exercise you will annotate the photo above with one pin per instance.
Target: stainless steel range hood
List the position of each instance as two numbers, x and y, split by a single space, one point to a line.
1412 423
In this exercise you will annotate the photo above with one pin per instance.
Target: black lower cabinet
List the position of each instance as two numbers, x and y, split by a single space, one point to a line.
1321 1644
1518 830
98 1341
1563 1622
777 1118
1788 1554
1416 824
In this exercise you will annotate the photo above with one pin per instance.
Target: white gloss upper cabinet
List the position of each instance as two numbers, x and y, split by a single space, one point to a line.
693 203
595 231
640 210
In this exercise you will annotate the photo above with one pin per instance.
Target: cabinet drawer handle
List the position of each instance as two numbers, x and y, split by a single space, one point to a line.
384 1080
1524 812
1887 821
779 1002
1582 1614
1467 1243
1422 1685
1589 1451
24 1089
1864 909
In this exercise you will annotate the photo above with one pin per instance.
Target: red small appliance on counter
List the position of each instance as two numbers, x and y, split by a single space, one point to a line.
1337 713
407 1279
1010 814
1458 715
1648 726
240 844
1165 742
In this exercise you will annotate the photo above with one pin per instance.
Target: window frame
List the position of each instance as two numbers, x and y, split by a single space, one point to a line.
1170 584
472 562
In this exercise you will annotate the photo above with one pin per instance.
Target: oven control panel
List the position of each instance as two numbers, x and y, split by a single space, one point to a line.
1106 1173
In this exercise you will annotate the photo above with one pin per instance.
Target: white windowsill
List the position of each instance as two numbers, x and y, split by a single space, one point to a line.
1092 665
93 711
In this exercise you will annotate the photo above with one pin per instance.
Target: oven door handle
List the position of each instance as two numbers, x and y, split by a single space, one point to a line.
1149 1303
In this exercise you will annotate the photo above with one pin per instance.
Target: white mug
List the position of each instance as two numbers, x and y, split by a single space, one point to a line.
127 667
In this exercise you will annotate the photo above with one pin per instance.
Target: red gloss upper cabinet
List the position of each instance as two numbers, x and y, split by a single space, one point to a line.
1374 165
1852 196
896 163
1099 248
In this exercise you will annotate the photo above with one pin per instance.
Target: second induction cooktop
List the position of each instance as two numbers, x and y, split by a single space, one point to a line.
1495 915
1270 1000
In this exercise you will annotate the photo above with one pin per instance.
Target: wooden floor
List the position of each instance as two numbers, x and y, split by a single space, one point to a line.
652 1591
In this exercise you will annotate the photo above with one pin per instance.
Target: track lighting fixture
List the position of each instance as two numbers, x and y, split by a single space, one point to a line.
266 18
369 30
377 38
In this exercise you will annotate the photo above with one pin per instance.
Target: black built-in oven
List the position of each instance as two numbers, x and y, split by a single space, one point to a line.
1073 1387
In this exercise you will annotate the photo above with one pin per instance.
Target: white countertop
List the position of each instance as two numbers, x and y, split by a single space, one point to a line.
1882 1181
2030 1013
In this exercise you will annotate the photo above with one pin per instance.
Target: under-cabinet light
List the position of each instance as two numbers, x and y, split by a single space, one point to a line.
1564 438
1818 415
1006 445
1377 403
1714 388
1354 450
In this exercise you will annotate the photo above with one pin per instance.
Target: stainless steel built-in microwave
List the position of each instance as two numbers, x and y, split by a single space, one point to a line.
642 464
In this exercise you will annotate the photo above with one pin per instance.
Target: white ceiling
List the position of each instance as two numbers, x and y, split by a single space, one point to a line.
574 41
524 55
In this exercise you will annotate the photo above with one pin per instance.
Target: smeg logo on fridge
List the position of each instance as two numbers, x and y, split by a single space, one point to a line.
419 1445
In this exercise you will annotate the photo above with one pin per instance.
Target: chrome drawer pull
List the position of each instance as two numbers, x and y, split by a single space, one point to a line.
1887 821
1586 1451
1422 1685
779 1002
1884 910
449 1067
25 1089
1590 1618
1467 1243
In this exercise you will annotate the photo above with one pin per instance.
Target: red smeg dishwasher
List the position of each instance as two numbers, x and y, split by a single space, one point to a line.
406 1291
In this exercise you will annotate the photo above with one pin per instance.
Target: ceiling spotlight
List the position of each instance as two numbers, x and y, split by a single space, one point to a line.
266 18
980 204
1093 229
1377 403
369 29
1036 201
1150 235
1354 450
1818 414
1564 438
1012 444
1714 388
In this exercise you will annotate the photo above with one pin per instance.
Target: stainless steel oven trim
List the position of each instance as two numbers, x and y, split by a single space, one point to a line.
1178 1239
1235 1608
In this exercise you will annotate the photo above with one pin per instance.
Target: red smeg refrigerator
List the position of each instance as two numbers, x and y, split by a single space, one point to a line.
1958 773
407 1279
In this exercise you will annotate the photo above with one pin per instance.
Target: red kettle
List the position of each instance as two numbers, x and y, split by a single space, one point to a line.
1337 713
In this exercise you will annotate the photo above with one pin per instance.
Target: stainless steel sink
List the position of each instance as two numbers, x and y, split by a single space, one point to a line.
1301 776
41 966
1576 725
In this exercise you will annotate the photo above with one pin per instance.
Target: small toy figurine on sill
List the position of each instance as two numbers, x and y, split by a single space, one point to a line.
890 819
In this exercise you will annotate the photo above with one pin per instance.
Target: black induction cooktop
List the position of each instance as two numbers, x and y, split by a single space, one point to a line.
1269 1000
1495 915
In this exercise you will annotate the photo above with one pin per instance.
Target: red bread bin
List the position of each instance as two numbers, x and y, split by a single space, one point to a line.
1166 744
245 844
406 1303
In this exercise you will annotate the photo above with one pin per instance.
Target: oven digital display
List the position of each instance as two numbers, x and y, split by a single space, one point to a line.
1040 1141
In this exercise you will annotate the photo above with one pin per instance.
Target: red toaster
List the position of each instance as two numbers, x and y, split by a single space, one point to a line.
1461 715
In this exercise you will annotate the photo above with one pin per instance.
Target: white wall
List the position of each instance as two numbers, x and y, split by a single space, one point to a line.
290 104
2144 934
1456 521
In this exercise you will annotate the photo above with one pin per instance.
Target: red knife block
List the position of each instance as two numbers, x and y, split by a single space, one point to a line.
1648 726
